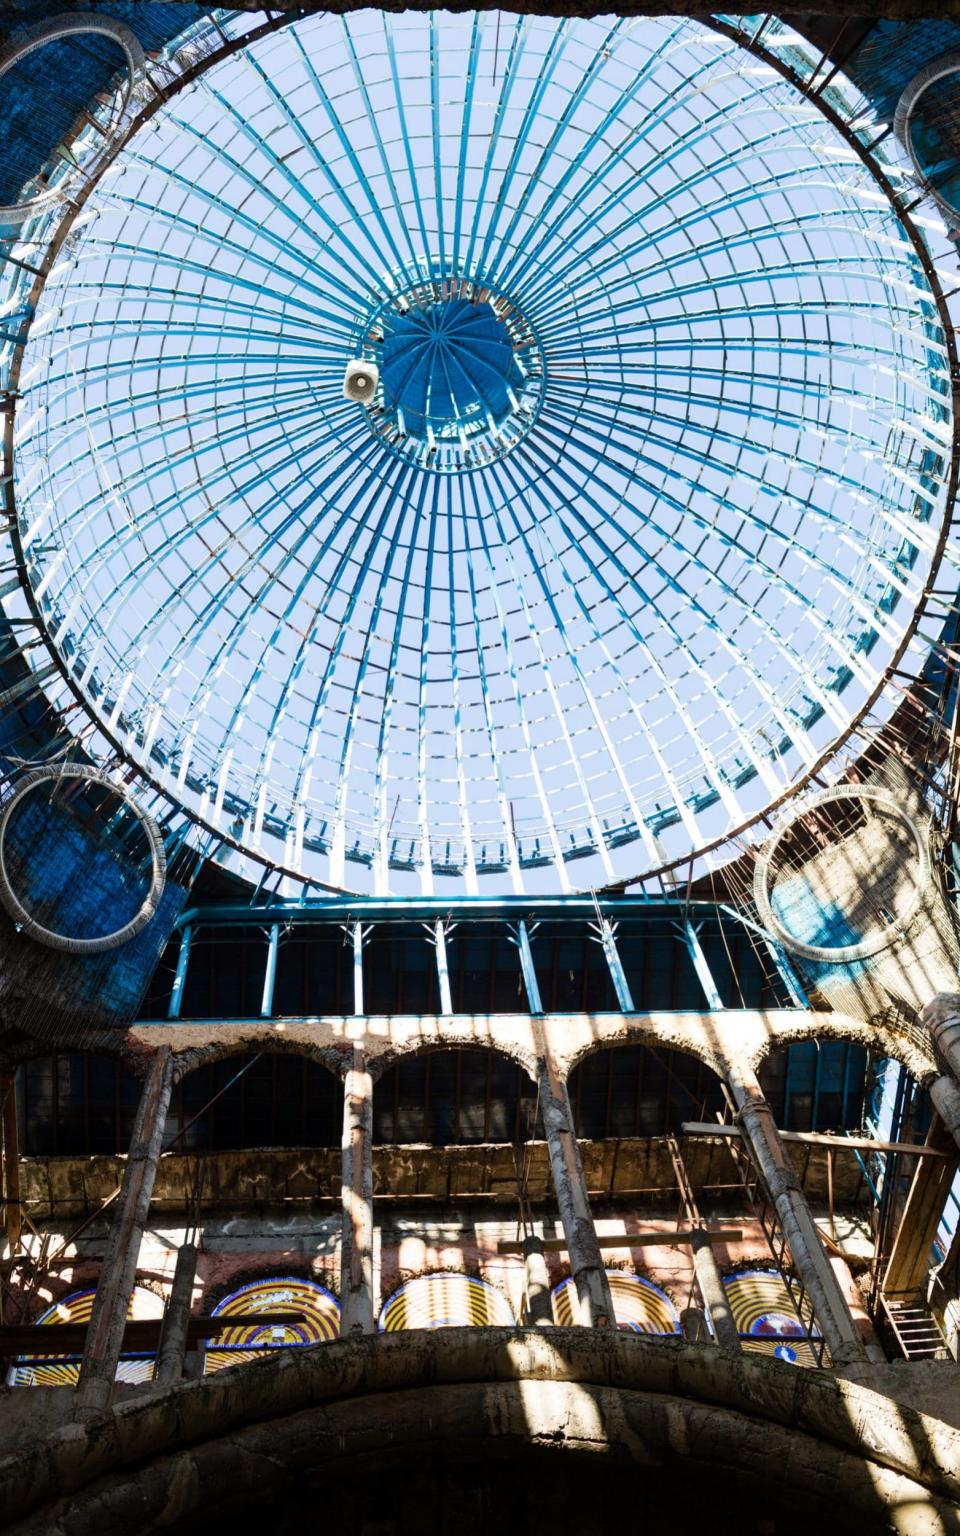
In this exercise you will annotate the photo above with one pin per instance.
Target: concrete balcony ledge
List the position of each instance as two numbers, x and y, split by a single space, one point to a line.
799 1444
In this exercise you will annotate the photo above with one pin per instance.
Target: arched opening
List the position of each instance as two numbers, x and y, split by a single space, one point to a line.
641 1090
454 1097
819 1084
76 1104
639 1305
445 1300
285 1311
266 1099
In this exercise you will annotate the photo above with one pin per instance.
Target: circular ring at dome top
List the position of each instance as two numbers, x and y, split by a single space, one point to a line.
845 954
924 140
683 366
158 861
461 373
70 24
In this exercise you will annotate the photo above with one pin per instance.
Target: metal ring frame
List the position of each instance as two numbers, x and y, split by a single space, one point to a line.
938 69
848 953
28 924
70 25
786 72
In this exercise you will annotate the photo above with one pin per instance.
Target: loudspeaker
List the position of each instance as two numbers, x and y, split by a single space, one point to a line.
360 381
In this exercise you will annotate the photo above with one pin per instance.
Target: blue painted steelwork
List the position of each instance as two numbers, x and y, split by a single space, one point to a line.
643 602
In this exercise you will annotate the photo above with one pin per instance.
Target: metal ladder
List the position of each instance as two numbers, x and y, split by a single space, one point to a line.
913 1325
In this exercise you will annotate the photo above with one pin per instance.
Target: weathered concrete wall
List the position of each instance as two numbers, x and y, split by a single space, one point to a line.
784 1438
627 1168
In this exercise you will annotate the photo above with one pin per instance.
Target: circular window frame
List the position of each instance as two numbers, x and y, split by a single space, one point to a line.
938 69
70 25
158 879
848 953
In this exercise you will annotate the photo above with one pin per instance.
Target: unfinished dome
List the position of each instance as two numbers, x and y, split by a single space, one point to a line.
640 516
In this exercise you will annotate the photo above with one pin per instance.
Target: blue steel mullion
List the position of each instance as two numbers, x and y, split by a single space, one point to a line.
117 543
433 56
775 576
409 268
747 516
516 690
380 476
423 819
593 532
407 150
389 684
521 26
334 227
344 140
518 142
573 101
545 668
513 275
587 614
462 795
503 795
472 70
704 171
162 508
342 787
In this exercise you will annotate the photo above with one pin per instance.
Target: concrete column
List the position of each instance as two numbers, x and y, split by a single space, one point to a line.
105 1334
173 1334
539 1311
586 1260
945 1095
356 1244
713 1292
10 1187
811 1263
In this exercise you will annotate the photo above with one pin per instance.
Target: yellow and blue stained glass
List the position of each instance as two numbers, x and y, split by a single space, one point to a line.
53 1370
766 1316
639 1306
445 1300
319 1307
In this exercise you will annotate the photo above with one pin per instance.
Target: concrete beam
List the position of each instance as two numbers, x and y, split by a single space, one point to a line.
713 1291
356 1246
539 1301
101 1356
786 1195
586 1260
173 1334
714 1037
12 1209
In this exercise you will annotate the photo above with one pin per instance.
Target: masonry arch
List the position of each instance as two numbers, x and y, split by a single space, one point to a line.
454 1095
641 1089
230 1100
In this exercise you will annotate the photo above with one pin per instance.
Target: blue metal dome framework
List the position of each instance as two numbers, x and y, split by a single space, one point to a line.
648 510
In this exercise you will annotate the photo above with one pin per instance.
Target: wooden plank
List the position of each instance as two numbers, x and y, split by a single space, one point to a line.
818 1139
631 1240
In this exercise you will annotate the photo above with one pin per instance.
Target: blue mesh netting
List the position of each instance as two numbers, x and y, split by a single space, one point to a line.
41 97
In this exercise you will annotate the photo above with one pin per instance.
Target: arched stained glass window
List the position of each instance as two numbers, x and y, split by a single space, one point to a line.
63 1370
764 1311
639 1305
319 1320
445 1300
